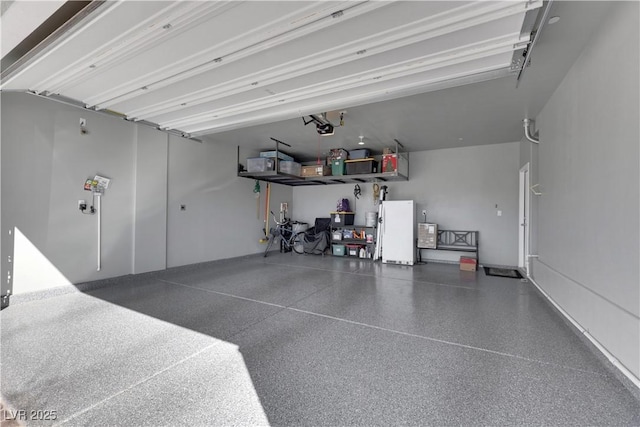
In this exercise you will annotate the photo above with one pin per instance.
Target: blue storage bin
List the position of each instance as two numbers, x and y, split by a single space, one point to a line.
361 153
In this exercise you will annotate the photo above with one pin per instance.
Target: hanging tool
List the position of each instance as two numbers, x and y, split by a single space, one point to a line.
266 214
357 191
382 197
256 191
376 193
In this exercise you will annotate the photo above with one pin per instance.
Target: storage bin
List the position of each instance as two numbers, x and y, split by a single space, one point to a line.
292 168
338 153
339 219
355 167
336 235
362 153
337 167
389 163
353 250
260 164
272 154
338 250
371 219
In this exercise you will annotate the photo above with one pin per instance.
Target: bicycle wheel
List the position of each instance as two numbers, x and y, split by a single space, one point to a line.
272 238
297 242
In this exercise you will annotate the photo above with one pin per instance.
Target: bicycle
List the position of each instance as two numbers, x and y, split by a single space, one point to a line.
288 239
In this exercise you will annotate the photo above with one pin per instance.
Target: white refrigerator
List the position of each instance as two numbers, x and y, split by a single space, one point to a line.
397 235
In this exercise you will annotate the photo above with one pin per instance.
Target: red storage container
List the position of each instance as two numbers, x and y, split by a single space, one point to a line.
389 163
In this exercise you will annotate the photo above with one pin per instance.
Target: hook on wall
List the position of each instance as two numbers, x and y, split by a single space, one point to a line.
534 191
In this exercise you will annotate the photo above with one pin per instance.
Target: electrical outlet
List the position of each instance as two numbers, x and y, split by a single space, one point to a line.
424 212
82 205
83 126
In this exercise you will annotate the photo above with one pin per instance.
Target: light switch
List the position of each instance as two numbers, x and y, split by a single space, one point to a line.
499 213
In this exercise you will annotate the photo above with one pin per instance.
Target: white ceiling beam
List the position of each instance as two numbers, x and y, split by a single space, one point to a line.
238 47
456 19
421 30
102 13
416 65
175 18
396 52
21 19
374 95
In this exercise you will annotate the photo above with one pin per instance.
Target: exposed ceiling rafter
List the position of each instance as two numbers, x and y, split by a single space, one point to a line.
205 67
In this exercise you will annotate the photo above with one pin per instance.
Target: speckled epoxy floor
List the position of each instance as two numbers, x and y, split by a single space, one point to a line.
305 340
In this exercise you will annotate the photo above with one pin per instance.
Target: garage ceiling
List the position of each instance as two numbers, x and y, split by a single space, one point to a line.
211 68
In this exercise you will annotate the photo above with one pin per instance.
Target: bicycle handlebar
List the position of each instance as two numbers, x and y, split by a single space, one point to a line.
286 220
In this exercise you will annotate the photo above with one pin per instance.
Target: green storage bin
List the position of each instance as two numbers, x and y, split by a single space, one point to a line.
338 250
337 167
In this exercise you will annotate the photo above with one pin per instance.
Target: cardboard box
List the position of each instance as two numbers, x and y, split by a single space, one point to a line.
427 235
389 163
316 170
468 264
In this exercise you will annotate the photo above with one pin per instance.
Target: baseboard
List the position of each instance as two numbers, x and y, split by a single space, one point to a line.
103 283
626 377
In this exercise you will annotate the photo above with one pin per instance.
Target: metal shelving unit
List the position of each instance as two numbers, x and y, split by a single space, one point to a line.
401 174
352 241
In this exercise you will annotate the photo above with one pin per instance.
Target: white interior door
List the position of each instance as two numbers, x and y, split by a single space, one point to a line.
523 218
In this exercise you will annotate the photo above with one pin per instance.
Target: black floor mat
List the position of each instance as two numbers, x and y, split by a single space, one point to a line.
502 272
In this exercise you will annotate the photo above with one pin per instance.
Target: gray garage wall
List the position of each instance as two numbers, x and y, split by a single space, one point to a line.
150 236
459 188
220 220
589 213
45 161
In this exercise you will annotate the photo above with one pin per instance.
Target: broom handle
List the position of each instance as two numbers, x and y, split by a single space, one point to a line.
266 209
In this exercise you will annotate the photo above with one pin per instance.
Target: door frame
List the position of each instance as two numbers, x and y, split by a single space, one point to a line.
524 215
